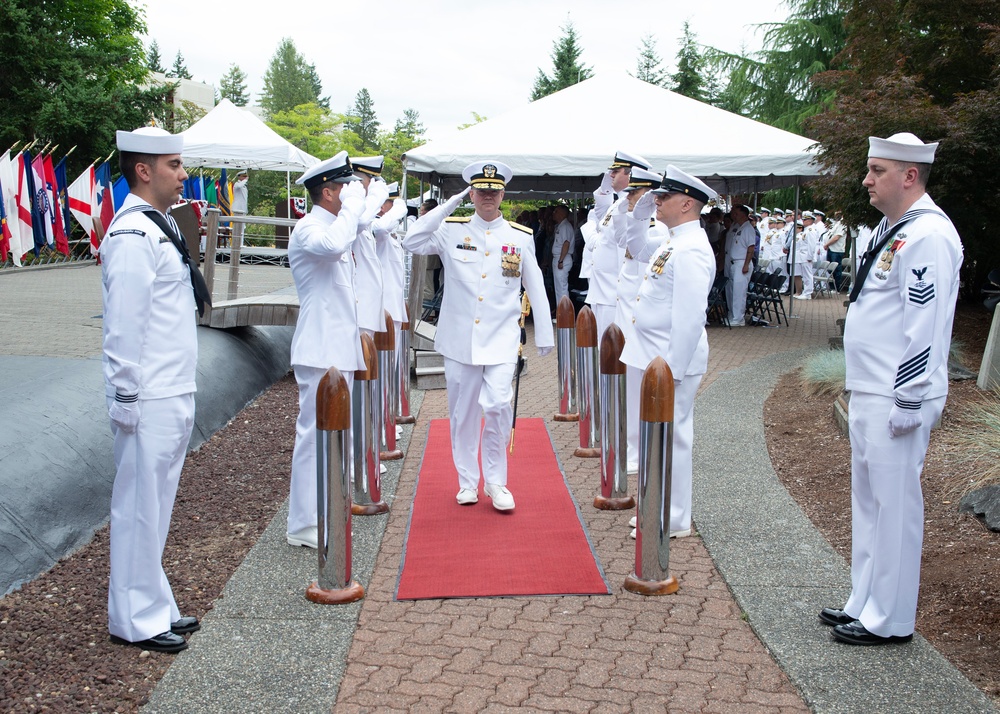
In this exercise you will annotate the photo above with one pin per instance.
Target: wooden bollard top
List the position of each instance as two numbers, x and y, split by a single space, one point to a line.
370 371
406 320
586 328
386 341
333 402
656 395
565 315
612 344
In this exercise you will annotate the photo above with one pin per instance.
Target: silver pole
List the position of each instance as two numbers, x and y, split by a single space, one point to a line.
588 385
403 415
388 373
614 436
566 356
366 402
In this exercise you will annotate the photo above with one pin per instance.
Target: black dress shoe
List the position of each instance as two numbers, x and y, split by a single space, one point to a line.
832 616
185 625
856 634
163 642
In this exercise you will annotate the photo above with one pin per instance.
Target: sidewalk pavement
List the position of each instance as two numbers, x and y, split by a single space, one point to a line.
741 634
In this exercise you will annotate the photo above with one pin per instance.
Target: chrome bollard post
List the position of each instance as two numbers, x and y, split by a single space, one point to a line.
587 384
403 415
614 436
367 403
333 468
566 354
652 537
385 345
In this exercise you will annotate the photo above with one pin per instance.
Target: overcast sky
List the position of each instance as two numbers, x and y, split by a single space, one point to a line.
444 58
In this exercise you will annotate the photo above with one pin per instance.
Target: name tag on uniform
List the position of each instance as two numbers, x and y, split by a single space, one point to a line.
466 244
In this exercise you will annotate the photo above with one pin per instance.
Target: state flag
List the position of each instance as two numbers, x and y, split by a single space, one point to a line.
103 203
81 205
42 205
56 214
8 182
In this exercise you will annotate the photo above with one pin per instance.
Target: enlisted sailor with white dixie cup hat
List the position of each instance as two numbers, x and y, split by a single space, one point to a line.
150 356
487 260
896 341
326 332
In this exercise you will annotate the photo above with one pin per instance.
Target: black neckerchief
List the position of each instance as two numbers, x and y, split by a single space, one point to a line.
202 296
878 242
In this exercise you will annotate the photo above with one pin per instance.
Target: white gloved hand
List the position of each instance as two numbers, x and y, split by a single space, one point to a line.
903 421
124 415
352 198
606 186
455 201
398 209
621 206
644 207
378 193
545 351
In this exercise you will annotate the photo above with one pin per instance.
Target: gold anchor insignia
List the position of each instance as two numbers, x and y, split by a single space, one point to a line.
489 171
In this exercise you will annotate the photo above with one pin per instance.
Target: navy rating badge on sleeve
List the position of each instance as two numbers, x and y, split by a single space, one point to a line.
920 291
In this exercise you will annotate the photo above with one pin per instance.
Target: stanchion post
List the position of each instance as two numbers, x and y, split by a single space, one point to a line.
652 536
614 437
587 382
566 355
403 415
366 405
385 345
333 468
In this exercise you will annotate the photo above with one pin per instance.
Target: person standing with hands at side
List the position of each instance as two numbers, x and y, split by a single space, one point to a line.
562 251
326 332
241 196
487 261
740 244
150 357
896 341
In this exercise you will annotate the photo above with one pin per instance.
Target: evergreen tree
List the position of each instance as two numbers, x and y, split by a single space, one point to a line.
289 81
233 86
153 60
361 119
689 79
409 125
179 70
648 64
567 69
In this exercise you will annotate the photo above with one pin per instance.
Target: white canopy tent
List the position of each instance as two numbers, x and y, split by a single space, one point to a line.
233 138
563 142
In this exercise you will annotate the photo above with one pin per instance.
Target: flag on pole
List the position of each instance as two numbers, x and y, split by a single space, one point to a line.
56 218
225 197
4 229
119 190
212 193
62 187
8 182
42 204
81 205
104 206
27 216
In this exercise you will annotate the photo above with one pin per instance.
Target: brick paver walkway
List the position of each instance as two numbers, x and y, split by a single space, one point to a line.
687 652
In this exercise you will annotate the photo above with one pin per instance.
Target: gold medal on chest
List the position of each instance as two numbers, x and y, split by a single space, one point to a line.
510 260
660 262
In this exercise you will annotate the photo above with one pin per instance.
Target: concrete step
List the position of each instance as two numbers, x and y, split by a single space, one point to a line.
424 359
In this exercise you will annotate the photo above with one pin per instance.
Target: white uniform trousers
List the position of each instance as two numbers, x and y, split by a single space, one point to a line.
887 509
560 276
479 392
303 510
149 461
682 459
806 271
736 291
633 385
604 315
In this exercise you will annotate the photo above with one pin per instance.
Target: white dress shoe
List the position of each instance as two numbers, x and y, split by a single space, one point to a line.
632 534
399 431
306 537
467 497
381 468
503 500
632 521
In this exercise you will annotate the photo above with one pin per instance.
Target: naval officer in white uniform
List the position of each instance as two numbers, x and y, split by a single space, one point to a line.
326 332
896 342
487 259
368 268
669 316
150 356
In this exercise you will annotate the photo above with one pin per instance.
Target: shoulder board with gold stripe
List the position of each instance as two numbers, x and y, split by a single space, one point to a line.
519 227
458 219
652 222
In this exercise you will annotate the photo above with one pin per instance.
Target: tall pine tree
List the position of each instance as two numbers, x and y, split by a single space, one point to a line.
289 81
153 59
179 69
233 86
689 79
567 69
648 64
362 120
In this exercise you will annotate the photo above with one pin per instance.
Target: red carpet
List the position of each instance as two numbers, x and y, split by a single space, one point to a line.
539 548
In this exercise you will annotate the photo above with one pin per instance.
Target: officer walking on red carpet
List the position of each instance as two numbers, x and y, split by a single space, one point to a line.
896 342
487 260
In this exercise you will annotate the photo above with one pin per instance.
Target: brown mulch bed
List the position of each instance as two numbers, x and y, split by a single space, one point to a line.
55 655
959 604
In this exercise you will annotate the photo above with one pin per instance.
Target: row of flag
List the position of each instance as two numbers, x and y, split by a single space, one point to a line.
37 202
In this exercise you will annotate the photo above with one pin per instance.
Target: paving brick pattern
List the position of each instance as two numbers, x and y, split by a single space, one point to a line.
687 652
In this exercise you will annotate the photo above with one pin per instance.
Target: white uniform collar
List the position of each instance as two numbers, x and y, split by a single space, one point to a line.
490 225
685 228
322 214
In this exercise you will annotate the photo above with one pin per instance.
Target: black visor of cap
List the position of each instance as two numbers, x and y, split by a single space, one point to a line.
668 185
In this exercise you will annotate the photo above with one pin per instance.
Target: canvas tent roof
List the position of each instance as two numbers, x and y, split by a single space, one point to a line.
564 141
231 137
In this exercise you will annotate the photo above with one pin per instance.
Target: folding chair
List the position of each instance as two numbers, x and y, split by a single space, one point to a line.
755 296
718 308
775 281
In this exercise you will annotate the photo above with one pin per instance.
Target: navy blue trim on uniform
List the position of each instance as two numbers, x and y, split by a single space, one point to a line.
126 398
922 295
908 405
911 368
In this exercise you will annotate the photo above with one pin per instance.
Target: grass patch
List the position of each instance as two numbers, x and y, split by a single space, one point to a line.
973 443
824 373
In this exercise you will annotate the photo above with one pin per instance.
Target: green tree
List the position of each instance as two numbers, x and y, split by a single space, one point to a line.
179 69
310 127
362 120
153 60
233 86
932 69
73 73
775 85
409 125
689 79
289 80
567 69
647 66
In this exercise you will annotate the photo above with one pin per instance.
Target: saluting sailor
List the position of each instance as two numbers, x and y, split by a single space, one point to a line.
150 357
326 332
896 342
368 269
669 316
487 260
